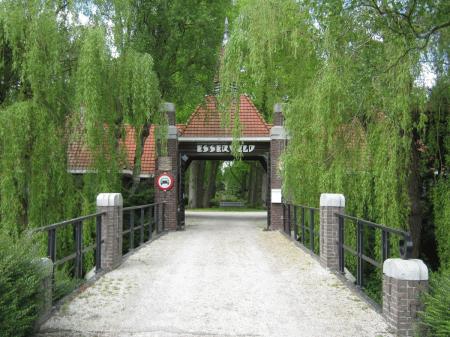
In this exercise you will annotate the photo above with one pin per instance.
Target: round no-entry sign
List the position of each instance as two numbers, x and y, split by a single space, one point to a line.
165 181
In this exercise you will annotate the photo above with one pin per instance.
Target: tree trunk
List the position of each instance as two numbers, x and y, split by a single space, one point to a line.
200 183
140 141
254 185
258 184
415 191
193 177
210 178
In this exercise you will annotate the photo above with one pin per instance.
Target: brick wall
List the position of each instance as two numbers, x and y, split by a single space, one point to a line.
329 236
401 303
170 197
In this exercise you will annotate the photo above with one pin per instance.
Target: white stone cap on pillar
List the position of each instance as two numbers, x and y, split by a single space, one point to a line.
277 107
409 270
172 132
332 200
47 266
169 107
278 132
109 199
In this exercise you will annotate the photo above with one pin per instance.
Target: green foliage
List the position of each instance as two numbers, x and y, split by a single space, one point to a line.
234 181
441 195
435 319
20 286
347 76
184 37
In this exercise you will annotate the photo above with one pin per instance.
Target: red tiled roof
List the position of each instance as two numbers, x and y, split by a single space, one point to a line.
80 158
206 121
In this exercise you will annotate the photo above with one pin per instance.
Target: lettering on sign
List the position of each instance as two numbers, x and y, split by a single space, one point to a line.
221 148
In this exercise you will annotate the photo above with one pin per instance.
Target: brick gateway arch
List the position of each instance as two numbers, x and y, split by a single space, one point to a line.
204 138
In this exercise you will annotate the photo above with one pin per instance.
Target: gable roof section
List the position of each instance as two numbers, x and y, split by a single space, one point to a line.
206 120
80 159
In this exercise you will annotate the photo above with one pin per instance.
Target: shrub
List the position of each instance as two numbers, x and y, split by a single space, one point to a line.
435 319
20 287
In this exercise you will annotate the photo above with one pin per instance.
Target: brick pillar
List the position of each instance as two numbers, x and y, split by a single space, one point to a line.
403 282
47 291
112 228
330 204
277 143
170 165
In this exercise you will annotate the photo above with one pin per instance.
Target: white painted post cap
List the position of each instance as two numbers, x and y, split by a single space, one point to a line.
169 107
277 107
332 200
409 270
47 266
109 199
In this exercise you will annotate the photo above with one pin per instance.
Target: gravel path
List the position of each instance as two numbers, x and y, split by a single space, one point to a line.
223 276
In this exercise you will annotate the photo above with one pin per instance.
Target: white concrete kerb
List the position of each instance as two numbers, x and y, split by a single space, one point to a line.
109 200
408 270
332 200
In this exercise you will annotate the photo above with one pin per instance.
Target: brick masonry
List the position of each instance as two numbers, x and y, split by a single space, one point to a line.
329 235
277 146
401 303
170 198
112 228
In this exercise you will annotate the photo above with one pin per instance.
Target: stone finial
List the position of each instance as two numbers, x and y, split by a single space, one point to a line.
332 200
109 199
410 270
330 204
278 119
169 108
403 283
111 204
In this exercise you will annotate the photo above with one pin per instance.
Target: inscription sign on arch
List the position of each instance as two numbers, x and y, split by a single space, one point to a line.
222 148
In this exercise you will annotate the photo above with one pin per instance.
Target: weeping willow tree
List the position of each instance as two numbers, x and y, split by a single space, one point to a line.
356 113
60 77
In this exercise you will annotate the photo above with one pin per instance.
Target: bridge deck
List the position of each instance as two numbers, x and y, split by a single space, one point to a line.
223 276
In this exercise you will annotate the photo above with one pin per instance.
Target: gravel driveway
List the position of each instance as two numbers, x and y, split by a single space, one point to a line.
222 276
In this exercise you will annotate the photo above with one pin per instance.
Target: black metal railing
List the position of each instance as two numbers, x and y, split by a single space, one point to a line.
307 232
405 245
80 249
135 224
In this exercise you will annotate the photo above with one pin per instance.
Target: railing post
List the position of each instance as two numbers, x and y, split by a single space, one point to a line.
151 218
403 283
341 246
360 252
311 230
51 248
142 226
330 205
112 228
47 290
157 218
163 217
303 225
385 248
79 249
289 227
295 224
131 220
98 243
